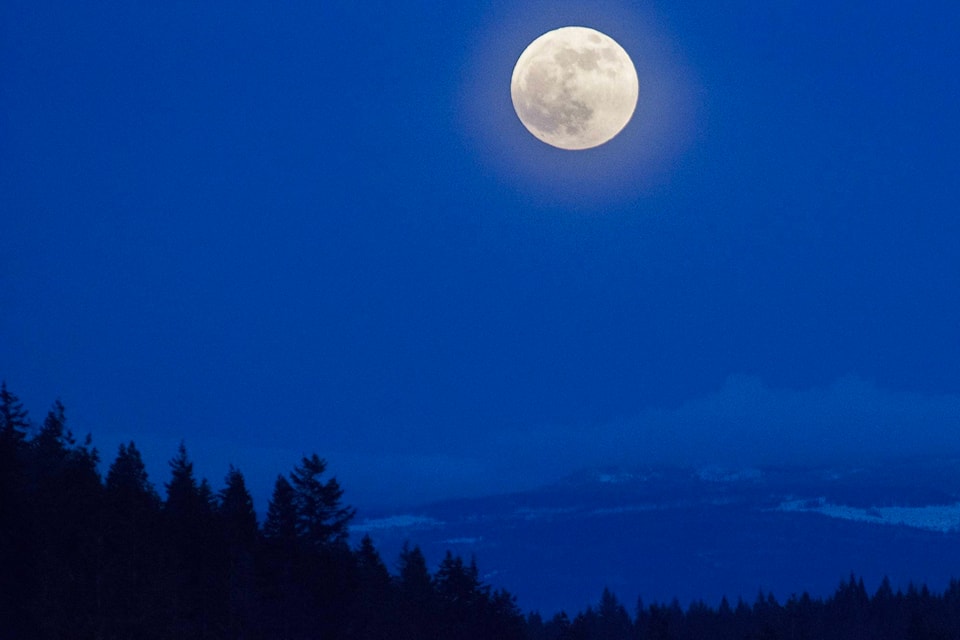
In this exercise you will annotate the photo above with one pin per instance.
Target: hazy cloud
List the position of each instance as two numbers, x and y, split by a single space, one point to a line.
743 423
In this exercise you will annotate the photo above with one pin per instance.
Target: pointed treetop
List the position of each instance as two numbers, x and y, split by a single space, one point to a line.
414 577
321 517
281 522
54 438
373 572
458 582
181 469
14 420
127 479
236 508
185 496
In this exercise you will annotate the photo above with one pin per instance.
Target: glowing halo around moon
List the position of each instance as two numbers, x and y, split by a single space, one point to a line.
644 158
574 88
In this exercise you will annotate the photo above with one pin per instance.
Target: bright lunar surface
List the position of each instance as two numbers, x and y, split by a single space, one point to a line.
574 88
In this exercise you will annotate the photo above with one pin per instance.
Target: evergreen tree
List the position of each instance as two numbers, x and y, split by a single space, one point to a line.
799 618
133 561
583 625
308 566
53 440
281 524
462 597
128 487
283 596
613 621
238 521
207 500
852 604
536 629
184 501
458 584
414 577
370 567
558 628
418 604
503 618
66 494
15 532
321 518
195 589
700 620
374 604
236 510
885 611
14 419
658 623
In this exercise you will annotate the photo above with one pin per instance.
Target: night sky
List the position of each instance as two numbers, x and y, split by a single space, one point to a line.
270 229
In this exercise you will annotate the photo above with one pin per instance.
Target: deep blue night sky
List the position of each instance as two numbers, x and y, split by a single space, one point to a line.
271 229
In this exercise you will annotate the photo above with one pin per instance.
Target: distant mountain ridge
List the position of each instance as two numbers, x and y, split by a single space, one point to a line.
698 533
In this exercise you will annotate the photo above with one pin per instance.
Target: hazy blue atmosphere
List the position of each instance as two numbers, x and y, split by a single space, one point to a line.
271 229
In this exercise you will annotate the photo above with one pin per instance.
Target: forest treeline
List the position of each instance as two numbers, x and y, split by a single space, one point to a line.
83 555
850 613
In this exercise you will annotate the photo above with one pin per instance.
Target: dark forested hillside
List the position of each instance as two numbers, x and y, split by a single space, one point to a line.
82 556
850 613
89 556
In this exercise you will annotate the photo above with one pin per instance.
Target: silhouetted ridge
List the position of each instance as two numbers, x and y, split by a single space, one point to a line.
86 557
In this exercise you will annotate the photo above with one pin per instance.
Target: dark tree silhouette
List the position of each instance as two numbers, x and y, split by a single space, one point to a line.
132 559
417 596
54 439
64 518
194 582
321 518
14 419
128 487
14 537
461 597
308 571
559 627
503 618
237 512
612 619
375 603
281 523
238 521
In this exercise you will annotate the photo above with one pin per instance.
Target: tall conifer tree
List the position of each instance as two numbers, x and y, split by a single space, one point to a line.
321 518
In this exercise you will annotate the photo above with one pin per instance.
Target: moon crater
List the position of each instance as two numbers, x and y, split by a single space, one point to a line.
574 88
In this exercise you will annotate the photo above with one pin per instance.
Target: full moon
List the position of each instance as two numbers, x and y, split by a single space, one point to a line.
574 88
